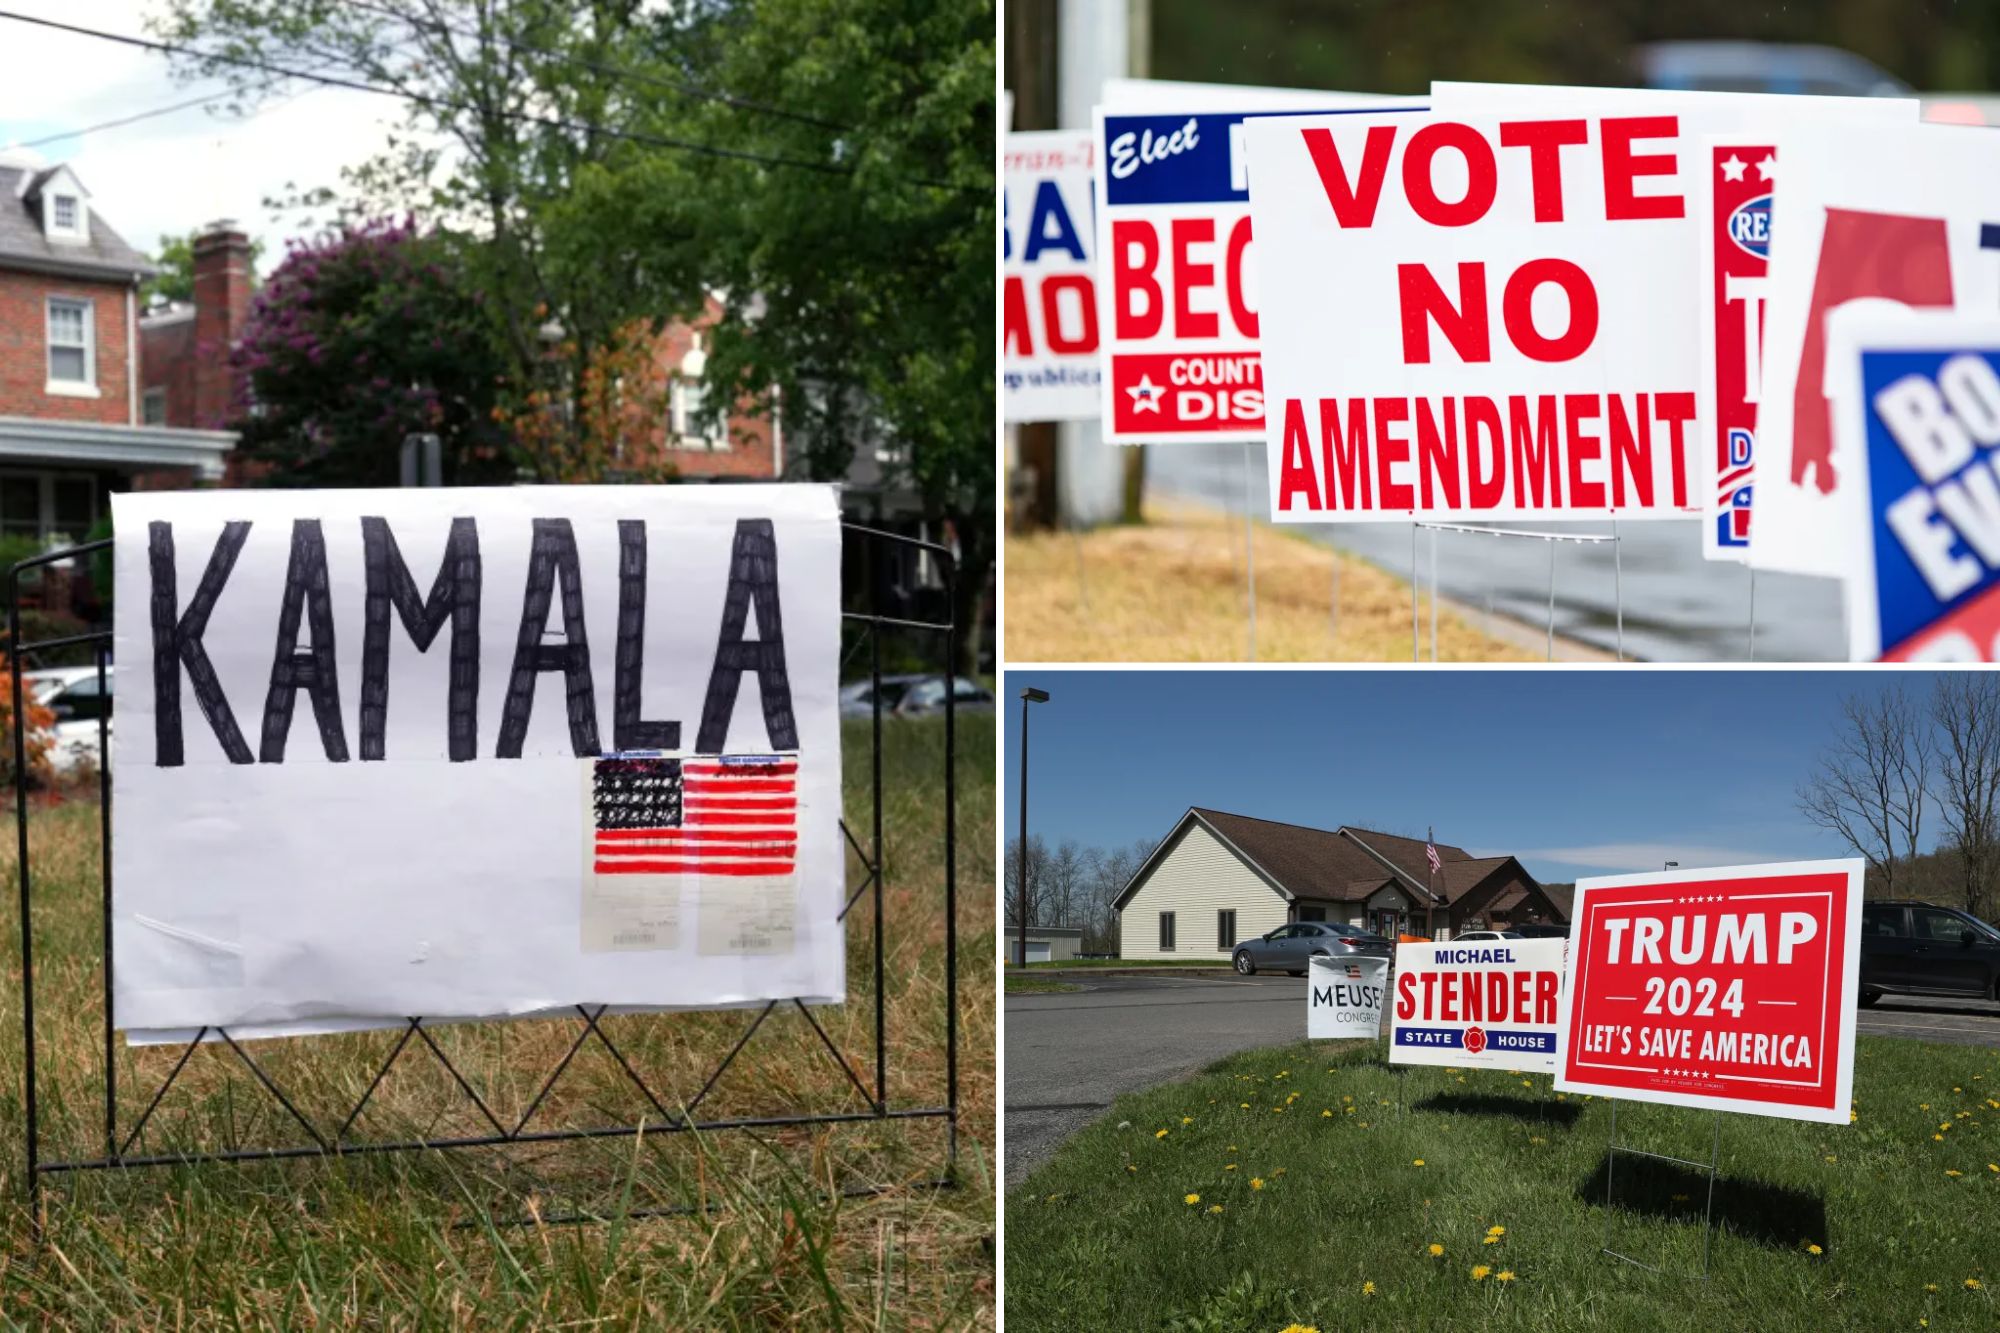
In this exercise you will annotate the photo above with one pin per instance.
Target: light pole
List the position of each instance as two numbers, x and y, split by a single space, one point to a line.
1029 695
1671 865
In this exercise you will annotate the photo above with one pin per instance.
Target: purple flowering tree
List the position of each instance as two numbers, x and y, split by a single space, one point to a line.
359 339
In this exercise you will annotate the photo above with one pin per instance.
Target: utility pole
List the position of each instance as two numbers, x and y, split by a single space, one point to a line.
1029 695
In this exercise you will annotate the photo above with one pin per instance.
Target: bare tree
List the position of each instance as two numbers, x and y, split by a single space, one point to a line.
1965 709
1871 784
1038 860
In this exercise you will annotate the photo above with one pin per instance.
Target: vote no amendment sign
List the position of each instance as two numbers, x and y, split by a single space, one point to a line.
1732 989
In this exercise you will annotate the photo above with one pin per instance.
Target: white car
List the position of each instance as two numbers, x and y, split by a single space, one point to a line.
72 694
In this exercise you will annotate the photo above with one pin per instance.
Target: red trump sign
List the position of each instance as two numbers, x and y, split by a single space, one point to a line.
1732 989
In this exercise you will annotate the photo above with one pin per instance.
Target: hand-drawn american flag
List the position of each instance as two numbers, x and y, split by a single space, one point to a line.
719 815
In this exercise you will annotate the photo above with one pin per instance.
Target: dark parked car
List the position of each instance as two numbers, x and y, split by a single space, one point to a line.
1288 948
1924 949
1541 930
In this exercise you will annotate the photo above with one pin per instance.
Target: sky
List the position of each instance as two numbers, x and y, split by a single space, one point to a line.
1575 772
179 172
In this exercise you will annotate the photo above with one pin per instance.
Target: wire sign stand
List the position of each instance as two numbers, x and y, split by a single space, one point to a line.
319 1140
1711 1167
1554 539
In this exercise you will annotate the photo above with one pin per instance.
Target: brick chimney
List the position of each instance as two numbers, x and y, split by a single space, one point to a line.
222 284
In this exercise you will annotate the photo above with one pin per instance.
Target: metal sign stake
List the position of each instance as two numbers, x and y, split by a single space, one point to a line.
1250 540
1611 1151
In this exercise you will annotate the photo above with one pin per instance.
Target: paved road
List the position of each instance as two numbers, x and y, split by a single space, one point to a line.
1069 1055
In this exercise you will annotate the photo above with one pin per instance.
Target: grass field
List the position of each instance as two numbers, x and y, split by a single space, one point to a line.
1172 590
450 1239
1314 1185
1019 985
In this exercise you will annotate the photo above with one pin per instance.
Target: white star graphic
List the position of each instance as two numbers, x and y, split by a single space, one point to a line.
1768 168
1733 168
1145 395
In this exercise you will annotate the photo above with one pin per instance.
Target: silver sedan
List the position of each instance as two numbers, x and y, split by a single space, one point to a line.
1290 948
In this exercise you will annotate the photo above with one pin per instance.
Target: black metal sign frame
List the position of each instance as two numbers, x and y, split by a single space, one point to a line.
118 1147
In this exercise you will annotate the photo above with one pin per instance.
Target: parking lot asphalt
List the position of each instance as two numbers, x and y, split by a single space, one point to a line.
1070 1054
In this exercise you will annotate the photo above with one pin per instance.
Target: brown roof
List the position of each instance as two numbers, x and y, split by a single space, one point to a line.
1563 896
1461 877
1307 862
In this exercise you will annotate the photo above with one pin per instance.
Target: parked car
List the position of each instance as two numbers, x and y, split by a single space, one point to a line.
1289 948
857 698
926 696
1488 935
78 703
1542 930
1911 948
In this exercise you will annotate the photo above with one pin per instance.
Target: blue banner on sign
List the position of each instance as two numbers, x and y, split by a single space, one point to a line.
1430 1037
1909 521
1156 159
1538 1043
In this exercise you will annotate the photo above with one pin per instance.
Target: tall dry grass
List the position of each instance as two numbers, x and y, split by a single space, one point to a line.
454 1239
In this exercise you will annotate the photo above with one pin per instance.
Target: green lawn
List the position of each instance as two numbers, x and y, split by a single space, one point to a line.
1018 985
1317 1170
424 1240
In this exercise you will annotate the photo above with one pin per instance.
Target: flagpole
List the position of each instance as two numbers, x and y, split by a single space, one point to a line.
1430 887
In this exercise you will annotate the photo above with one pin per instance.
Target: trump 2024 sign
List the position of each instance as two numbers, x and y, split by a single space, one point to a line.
1730 989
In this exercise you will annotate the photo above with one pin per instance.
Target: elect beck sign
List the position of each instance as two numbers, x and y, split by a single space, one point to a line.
1177 304
1489 1005
1729 989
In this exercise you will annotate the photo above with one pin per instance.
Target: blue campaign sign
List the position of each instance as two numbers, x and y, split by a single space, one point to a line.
1186 159
1929 576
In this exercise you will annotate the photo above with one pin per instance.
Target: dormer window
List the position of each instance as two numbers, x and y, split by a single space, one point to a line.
63 216
65 208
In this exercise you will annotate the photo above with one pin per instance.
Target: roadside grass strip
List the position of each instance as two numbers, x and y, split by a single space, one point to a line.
1313 1186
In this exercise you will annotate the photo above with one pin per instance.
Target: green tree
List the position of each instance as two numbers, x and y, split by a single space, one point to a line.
175 260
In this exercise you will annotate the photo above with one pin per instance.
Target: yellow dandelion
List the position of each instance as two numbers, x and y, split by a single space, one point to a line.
1298 1328
1436 1250
1950 1172
1973 1284
1187 1120
1831 1158
1191 1199
1257 1182
1536 1138
1215 1208
1993 1166
1479 1272
1326 1115
1930 1286
1159 1133
1937 1138
1230 1167
1814 1249
1504 1275
1279 1172
1417 1162
1244 1105
1368 1289
1490 1240
1346 1098
1496 1230
1130 1167
1958 1089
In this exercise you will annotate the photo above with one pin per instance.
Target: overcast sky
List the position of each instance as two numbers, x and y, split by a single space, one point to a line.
174 173
1576 773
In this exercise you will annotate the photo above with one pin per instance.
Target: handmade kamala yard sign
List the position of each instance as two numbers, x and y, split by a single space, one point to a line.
1344 997
1178 305
1486 1004
1488 311
1049 296
1732 989
1885 217
1917 406
473 753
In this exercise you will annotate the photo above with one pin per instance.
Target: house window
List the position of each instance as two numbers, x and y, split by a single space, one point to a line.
1225 928
65 212
72 363
1166 932
688 400
154 407
52 508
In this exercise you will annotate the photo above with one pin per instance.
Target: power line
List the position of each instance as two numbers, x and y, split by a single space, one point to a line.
637 76
209 99
437 103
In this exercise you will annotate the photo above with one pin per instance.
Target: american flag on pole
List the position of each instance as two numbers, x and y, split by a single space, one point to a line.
1431 855
708 815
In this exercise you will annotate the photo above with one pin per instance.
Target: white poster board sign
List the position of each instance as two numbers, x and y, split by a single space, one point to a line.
1483 1004
1344 997
1882 218
1489 311
473 753
1048 305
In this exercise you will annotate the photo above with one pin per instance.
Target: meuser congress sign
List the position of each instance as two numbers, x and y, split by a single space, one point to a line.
1485 1004
1344 997
1732 989
472 753
1178 307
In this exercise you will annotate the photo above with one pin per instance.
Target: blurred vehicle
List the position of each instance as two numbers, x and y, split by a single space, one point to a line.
1765 67
45 681
1289 948
857 698
926 696
78 705
1912 948
1488 935
1542 931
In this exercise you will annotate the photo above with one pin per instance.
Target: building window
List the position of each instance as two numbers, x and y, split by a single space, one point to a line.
54 509
1166 932
1225 928
65 212
72 362
153 407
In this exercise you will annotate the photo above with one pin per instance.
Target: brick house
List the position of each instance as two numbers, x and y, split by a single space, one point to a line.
1220 878
71 424
744 446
